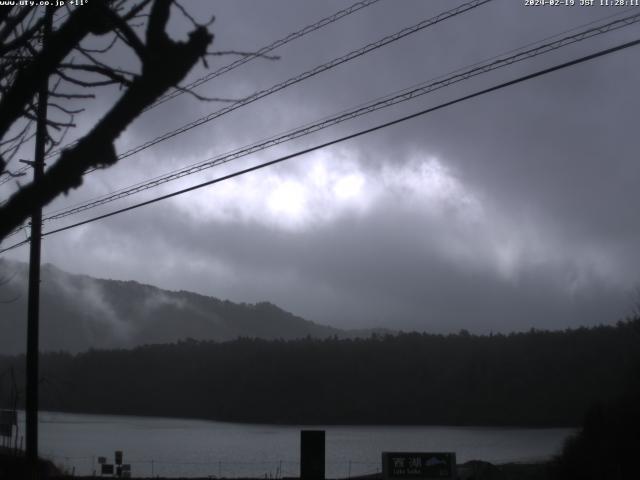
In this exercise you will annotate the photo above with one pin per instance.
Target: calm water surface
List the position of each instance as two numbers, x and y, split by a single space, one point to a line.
180 447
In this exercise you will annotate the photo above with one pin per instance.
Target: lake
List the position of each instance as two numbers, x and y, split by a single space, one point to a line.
186 447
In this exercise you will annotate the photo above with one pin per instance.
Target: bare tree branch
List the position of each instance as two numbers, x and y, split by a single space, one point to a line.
59 46
165 63
116 75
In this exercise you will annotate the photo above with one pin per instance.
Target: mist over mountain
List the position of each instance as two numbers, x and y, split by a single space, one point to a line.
79 312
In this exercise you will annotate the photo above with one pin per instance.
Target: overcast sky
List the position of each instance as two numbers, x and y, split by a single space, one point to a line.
514 210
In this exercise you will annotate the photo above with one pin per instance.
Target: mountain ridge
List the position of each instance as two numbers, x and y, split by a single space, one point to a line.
79 312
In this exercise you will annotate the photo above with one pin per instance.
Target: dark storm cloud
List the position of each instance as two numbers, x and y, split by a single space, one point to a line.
532 223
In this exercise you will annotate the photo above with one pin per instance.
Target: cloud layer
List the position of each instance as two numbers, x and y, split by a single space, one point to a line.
510 211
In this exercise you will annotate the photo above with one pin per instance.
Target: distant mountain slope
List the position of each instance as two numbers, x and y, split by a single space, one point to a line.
80 312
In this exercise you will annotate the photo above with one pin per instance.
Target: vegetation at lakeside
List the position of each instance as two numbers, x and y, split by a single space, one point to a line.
537 378
607 445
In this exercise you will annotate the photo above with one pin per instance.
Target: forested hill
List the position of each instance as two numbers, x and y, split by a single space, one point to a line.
79 312
535 378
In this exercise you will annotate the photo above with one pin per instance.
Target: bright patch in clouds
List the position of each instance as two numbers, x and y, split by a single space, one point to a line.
312 193
459 222
349 186
288 199
325 187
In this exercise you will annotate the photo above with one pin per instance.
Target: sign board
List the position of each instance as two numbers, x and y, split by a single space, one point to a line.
118 457
107 469
123 470
102 460
418 465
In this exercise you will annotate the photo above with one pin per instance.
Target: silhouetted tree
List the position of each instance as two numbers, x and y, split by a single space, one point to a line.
73 67
607 445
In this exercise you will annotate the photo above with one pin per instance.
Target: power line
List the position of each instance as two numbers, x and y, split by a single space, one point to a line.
260 53
267 49
15 245
311 73
385 102
307 74
19 172
237 63
479 93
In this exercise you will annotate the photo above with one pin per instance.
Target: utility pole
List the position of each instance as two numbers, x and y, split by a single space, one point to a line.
33 318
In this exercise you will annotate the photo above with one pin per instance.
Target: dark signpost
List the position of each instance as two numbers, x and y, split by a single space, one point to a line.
418 465
116 468
312 455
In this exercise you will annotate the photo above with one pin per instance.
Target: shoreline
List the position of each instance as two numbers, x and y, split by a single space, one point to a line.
315 425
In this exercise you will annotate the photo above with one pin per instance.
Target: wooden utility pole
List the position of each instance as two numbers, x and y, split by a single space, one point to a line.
33 313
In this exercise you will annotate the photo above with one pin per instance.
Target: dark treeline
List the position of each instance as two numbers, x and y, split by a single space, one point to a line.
607 445
535 378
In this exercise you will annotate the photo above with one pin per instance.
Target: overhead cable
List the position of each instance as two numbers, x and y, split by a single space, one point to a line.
261 52
265 50
479 93
465 7
386 102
